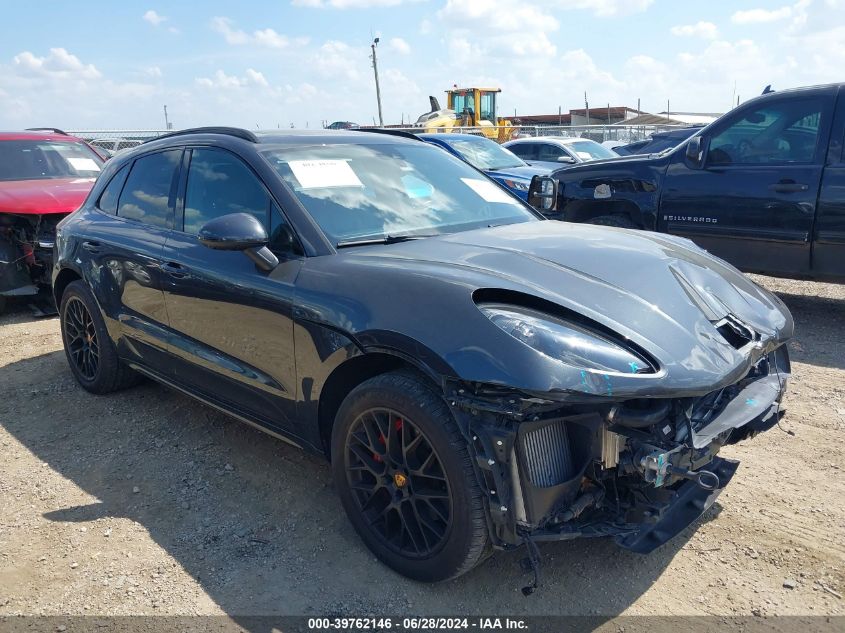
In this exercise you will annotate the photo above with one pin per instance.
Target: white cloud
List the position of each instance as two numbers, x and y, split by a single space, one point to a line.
59 63
255 77
268 38
153 18
153 71
608 8
339 59
758 16
400 46
705 30
228 82
271 39
232 35
349 4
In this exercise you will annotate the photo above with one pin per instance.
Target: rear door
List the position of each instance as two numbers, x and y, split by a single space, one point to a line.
124 247
753 202
233 323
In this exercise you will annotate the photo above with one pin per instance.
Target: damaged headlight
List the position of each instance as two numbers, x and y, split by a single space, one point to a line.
566 342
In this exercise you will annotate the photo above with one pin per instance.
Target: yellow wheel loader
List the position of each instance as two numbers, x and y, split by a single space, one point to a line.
467 107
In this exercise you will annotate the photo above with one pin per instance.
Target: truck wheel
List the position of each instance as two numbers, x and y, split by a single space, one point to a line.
406 479
619 221
2 303
89 349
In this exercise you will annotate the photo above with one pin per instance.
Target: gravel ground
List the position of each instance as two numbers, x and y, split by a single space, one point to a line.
146 502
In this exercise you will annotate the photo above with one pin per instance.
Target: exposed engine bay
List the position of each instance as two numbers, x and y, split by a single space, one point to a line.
638 470
26 252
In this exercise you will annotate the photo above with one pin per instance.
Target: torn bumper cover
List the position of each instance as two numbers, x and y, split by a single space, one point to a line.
640 471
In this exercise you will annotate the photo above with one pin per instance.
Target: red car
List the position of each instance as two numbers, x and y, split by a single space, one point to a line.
44 176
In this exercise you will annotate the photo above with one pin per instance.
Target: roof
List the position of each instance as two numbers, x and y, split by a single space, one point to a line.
562 140
664 119
288 137
451 136
43 136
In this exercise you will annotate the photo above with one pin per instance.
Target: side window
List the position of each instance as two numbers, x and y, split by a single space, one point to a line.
780 133
108 199
151 188
549 152
526 151
219 184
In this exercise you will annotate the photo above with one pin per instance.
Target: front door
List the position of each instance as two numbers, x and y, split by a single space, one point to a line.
233 322
753 202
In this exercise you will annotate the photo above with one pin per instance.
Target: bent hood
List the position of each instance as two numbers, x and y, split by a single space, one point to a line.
663 293
54 195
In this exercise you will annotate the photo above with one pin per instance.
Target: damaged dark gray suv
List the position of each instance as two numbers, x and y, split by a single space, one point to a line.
480 378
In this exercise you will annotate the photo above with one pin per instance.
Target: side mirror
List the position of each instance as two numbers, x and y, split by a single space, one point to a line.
233 232
695 151
239 232
565 159
542 193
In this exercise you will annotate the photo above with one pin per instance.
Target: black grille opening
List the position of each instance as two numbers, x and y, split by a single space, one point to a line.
735 332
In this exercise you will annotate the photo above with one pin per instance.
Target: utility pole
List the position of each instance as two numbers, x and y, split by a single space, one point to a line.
587 107
378 89
166 121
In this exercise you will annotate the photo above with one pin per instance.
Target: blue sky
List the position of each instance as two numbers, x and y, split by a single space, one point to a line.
279 63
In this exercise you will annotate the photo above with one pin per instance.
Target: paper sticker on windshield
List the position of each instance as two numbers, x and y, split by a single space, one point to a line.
83 164
584 155
491 192
602 191
320 174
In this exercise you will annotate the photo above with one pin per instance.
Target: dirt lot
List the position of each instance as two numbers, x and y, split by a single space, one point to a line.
146 502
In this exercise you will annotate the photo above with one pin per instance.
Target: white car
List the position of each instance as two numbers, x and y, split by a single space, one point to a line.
554 152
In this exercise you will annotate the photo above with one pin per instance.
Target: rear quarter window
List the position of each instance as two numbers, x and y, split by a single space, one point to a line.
110 195
150 190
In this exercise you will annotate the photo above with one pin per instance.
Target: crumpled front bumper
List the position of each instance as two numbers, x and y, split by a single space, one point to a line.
573 472
690 502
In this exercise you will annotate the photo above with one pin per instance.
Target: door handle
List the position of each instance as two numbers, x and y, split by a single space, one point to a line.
788 186
175 270
91 247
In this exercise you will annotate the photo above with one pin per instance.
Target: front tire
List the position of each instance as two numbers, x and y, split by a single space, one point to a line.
406 480
90 352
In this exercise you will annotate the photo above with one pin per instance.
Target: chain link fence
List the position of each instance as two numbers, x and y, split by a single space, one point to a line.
115 140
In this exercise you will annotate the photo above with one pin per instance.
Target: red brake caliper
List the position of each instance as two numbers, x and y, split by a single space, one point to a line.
398 425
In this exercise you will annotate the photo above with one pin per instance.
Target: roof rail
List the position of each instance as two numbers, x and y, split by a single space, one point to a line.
54 130
229 131
390 132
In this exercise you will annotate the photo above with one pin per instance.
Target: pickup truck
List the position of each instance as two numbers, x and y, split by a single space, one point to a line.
762 187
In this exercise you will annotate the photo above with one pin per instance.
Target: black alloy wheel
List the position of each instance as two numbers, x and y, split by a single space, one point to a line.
406 478
81 338
398 482
89 349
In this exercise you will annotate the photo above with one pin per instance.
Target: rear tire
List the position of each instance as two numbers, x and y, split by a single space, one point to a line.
90 352
2 303
406 479
619 221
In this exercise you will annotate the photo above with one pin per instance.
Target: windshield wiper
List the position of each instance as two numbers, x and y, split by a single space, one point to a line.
383 239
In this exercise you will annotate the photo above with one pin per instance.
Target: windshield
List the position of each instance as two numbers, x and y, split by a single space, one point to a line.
484 154
590 150
392 189
42 160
